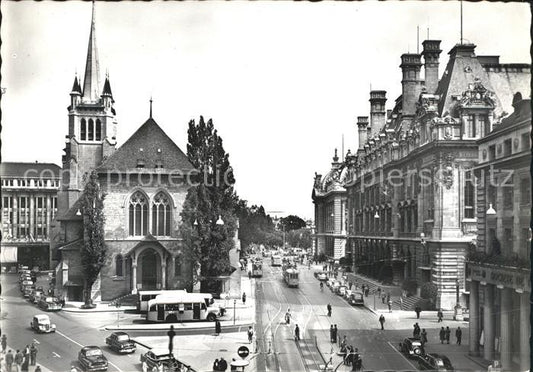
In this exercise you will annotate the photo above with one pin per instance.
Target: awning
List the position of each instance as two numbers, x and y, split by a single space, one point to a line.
8 255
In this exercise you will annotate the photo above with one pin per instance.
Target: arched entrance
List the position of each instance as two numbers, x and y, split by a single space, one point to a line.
150 267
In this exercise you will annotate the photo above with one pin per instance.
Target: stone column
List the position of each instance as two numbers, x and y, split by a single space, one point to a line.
48 216
525 331
488 323
474 318
134 274
163 273
15 216
505 328
32 216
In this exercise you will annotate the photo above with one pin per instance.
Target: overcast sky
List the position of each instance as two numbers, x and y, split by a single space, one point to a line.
282 81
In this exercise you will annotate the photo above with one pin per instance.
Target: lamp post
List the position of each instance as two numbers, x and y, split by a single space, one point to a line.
234 310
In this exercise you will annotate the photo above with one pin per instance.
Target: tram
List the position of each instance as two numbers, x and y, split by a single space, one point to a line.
257 269
290 276
275 260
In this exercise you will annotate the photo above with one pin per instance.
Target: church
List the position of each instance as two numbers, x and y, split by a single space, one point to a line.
145 185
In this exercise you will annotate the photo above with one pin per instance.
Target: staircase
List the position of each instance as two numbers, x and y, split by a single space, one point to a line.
409 303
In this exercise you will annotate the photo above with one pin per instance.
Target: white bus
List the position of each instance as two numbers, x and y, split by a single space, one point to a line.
275 260
182 306
144 296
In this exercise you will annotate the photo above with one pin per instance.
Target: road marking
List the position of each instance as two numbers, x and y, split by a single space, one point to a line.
56 355
35 341
395 349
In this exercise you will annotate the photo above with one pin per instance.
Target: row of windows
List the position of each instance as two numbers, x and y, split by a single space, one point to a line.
90 130
16 221
160 212
29 183
506 148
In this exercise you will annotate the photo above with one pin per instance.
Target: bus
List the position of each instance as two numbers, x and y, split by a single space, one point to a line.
290 276
275 260
144 296
172 308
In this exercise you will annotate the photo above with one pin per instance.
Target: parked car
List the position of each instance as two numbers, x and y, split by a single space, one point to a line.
412 347
26 287
435 362
41 323
91 358
341 289
334 286
49 303
356 298
35 295
120 342
322 277
155 359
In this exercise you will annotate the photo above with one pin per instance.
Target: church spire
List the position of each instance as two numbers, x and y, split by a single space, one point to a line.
91 83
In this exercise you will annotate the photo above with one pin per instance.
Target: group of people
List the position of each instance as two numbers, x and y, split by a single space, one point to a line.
422 335
21 359
220 365
444 335
350 355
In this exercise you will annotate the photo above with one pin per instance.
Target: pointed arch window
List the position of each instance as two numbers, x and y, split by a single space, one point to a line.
98 130
90 136
83 130
119 260
138 213
161 215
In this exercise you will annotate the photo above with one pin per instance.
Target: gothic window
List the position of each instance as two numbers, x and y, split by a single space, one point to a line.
138 213
98 130
469 195
83 130
119 265
161 215
90 131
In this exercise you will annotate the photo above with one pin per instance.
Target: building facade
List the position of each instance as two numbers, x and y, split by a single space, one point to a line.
145 182
499 267
29 205
410 211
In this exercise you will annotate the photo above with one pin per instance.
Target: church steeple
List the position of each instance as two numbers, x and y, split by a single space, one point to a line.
91 83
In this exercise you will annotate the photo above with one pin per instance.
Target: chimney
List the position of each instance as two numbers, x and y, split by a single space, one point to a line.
431 55
411 83
362 124
377 110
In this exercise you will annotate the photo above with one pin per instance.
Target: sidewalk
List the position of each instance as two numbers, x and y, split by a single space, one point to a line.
3 366
75 307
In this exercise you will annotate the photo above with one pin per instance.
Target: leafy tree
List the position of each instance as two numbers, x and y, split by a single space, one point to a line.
255 226
93 252
208 243
429 291
292 222
300 238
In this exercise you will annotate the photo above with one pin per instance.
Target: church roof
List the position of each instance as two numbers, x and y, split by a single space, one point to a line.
31 170
76 86
91 83
150 146
107 88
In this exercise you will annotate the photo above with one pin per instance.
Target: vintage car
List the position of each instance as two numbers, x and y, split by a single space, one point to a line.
35 296
26 287
322 276
435 362
50 303
120 342
41 323
157 360
356 298
412 347
91 358
341 290
334 286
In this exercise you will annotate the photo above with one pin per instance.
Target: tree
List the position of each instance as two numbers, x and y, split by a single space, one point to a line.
208 243
300 238
93 252
292 222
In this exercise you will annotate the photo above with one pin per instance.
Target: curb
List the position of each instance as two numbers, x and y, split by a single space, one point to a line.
476 361
96 310
192 328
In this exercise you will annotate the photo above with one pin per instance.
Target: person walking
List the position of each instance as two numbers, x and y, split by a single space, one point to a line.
447 333
33 354
331 331
288 315
4 343
423 337
222 364
218 327
38 369
343 344
297 333
442 335
329 309
382 321
389 303
383 296
458 335
335 333
440 315
244 297
9 360
416 330
19 358
417 311
26 361
250 334
216 365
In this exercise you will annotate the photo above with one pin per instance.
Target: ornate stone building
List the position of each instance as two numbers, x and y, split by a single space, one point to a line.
145 185
499 268
410 211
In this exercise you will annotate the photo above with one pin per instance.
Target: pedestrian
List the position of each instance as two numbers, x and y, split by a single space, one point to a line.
442 335
415 330
343 344
335 333
379 291
4 343
389 303
25 362
359 363
440 315
244 297
329 309
297 333
218 328
388 296
222 364
348 354
417 311
9 360
458 335
250 334
382 321
216 365
383 298
33 354
367 291
423 337
38 369
19 358
448 331
288 315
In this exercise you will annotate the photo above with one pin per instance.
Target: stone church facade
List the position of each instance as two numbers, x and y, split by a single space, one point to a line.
145 182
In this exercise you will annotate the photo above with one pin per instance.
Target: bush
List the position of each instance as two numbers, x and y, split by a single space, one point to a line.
410 286
429 292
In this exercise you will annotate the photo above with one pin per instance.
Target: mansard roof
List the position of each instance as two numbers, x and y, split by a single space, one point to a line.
151 145
29 170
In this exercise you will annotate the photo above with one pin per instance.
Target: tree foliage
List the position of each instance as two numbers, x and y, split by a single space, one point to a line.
291 222
256 227
429 291
93 252
208 243
300 238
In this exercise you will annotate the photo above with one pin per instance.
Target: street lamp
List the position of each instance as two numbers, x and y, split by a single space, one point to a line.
376 215
491 211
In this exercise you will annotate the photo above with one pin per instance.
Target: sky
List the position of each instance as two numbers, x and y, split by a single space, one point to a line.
283 81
